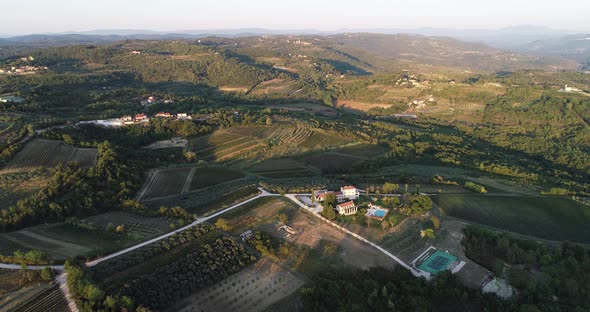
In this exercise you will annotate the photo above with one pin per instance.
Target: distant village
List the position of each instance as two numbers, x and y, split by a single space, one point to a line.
22 70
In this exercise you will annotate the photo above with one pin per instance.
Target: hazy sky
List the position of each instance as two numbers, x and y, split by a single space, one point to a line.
41 16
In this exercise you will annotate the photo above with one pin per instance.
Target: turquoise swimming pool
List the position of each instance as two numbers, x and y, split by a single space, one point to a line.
380 213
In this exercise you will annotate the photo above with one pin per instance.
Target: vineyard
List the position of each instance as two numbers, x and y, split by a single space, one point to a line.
165 182
45 153
11 132
245 147
51 300
209 200
209 176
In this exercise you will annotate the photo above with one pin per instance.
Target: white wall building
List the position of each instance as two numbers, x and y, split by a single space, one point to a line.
350 192
347 208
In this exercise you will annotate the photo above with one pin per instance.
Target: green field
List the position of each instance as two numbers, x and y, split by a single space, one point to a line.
89 236
551 218
209 200
327 162
281 168
364 150
209 176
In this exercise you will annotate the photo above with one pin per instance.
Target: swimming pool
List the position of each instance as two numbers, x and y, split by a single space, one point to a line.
380 213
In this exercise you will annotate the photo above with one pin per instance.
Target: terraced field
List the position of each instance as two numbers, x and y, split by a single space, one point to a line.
46 153
165 182
245 147
10 132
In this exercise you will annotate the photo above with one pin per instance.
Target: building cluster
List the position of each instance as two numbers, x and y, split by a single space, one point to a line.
137 119
22 70
154 100
345 198
300 42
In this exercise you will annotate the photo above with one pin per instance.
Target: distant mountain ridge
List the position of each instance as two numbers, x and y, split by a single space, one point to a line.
368 51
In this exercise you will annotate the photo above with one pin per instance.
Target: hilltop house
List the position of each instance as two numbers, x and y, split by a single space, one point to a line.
141 118
183 116
347 208
164 115
127 120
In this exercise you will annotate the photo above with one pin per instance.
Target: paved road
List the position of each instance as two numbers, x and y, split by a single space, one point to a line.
315 210
263 193
30 267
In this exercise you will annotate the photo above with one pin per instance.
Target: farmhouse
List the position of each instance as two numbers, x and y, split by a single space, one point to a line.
346 193
163 115
141 118
183 116
347 208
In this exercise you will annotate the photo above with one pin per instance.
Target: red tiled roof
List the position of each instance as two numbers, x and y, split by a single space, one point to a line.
349 187
346 204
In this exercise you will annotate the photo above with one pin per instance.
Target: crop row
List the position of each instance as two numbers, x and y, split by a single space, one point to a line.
166 183
122 277
51 300
43 153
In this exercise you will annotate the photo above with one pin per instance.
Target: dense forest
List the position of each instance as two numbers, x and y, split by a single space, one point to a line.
549 278
379 289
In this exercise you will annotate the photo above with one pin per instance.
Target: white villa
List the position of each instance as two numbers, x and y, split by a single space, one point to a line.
350 192
346 193
347 208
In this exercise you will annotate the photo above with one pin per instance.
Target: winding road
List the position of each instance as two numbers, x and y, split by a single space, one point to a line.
315 211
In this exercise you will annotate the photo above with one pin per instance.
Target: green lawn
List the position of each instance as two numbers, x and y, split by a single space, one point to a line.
552 218
209 176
